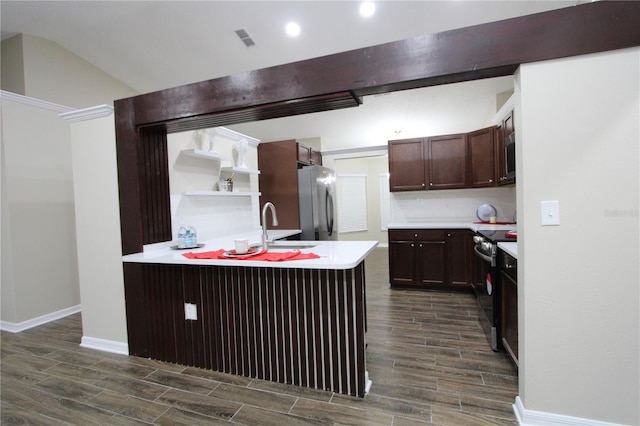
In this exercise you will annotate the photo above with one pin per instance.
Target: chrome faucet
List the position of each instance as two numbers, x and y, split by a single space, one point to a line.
274 218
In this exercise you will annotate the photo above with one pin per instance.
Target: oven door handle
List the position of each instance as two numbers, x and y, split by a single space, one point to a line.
484 256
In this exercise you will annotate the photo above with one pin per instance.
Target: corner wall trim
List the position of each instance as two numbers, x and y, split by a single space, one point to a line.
86 114
105 345
12 327
37 103
535 418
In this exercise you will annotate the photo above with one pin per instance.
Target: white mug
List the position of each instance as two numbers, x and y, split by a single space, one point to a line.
242 246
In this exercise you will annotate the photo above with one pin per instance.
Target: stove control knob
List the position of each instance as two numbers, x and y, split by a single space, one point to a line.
486 246
477 239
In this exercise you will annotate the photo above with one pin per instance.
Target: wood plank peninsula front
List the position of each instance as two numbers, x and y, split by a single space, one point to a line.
301 322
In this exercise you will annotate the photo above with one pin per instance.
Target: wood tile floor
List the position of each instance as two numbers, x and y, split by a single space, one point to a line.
427 356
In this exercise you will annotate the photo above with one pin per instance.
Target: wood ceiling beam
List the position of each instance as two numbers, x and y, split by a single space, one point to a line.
481 51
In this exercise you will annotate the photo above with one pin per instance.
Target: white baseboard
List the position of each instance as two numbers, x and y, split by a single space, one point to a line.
105 345
87 342
13 327
540 418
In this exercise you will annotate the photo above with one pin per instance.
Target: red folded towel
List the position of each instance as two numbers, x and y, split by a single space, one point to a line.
265 256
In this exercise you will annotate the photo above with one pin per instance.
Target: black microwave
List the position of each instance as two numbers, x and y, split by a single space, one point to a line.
510 158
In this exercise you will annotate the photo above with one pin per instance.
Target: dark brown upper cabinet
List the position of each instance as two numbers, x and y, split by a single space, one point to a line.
407 165
465 160
316 157
308 156
504 129
482 152
447 158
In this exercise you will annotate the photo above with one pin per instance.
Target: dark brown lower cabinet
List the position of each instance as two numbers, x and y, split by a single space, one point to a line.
509 305
402 262
431 261
459 257
417 258
429 258
297 326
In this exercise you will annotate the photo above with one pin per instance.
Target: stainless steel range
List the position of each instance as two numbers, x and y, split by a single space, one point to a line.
485 281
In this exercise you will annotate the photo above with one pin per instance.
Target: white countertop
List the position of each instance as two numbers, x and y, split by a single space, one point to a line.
473 226
333 254
509 248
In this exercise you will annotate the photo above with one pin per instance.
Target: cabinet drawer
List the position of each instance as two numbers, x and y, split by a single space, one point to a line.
417 234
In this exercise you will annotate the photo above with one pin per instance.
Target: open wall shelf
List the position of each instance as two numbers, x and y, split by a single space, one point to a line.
211 155
240 170
222 194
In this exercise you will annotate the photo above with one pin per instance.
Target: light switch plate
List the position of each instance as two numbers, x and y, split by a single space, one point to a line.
190 311
550 213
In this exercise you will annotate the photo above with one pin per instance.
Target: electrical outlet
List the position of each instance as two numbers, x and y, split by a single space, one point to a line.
190 311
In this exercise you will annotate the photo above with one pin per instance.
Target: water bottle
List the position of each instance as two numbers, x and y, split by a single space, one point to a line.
190 238
182 234
194 236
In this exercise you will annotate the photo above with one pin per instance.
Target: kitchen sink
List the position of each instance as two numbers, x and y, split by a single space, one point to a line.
291 245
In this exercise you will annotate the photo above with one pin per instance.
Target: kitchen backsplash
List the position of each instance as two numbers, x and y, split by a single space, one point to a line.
227 216
457 205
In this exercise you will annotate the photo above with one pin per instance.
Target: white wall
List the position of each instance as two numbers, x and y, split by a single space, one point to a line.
98 232
39 264
12 65
40 278
578 283
54 74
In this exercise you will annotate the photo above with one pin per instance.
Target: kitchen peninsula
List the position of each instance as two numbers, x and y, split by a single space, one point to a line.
301 322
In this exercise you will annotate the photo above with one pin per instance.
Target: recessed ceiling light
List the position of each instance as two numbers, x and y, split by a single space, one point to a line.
367 8
292 29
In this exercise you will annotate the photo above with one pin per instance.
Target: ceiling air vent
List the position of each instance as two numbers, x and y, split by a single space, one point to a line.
244 36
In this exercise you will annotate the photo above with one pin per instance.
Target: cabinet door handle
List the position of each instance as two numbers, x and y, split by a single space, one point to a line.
509 266
413 245
490 180
430 183
423 185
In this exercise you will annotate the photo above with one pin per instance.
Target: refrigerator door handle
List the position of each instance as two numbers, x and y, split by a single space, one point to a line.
329 210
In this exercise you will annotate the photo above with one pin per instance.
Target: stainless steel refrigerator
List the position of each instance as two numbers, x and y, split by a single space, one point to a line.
317 202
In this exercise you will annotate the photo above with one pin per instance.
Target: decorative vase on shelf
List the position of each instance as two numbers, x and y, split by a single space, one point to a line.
241 152
210 135
200 140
